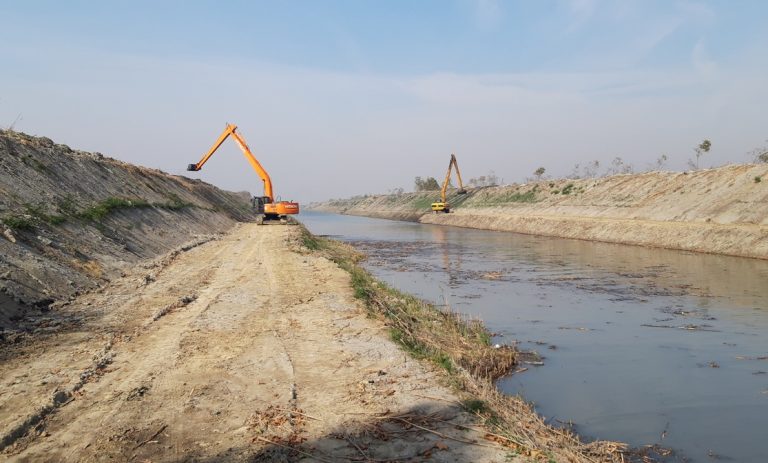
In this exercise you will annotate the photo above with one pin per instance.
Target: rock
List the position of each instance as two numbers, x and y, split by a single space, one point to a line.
9 235
44 240
64 148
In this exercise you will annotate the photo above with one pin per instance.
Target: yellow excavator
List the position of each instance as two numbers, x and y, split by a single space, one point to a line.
442 205
268 209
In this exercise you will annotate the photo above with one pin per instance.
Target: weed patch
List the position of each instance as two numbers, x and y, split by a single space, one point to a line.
99 211
423 203
18 223
38 212
174 203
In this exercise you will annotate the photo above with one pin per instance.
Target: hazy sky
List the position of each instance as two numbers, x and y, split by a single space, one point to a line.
338 98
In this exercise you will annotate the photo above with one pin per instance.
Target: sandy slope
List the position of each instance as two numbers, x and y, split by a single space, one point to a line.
722 210
227 352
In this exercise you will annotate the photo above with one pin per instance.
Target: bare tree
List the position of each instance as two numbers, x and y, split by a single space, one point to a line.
590 170
619 167
700 150
760 154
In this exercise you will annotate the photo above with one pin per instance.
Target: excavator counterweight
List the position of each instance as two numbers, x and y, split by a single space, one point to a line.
442 205
266 206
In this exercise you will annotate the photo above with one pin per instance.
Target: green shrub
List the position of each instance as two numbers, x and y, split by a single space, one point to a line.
758 179
38 211
18 223
102 209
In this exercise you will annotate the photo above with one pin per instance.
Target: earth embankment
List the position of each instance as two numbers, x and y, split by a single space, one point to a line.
72 220
241 349
722 210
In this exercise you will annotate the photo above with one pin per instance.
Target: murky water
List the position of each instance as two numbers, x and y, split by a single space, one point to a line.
640 345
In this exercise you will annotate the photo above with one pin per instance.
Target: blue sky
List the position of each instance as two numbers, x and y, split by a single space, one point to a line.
349 97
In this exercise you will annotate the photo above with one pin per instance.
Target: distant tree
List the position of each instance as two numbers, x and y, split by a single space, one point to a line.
619 167
590 170
426 184
760 154
539 173
661 162
484 180
492 179
701 150
576 172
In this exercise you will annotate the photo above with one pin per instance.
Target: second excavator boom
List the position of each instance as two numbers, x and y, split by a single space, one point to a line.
442 205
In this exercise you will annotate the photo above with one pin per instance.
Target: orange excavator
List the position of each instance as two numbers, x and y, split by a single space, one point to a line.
266 206
442 205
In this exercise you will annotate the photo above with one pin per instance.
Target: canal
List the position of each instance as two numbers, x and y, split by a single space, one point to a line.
645 346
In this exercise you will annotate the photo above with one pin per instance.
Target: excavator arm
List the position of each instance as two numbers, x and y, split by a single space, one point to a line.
230 130
266 206
461 190
452 164
442 205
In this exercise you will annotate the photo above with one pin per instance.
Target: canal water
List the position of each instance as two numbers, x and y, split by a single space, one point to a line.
644 346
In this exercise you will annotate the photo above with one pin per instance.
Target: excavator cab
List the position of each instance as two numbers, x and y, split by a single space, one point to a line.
258 203
440 206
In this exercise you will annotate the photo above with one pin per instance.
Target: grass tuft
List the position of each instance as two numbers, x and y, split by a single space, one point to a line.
18 222
97 212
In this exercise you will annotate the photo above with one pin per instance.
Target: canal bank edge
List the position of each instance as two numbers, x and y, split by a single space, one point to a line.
720 211
470 364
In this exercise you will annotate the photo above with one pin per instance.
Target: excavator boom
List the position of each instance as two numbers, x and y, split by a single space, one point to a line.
265 204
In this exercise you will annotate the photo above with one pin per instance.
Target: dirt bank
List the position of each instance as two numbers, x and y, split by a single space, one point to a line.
71 221
239 349
723 210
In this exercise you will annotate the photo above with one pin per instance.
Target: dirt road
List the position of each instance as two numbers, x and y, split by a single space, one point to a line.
239 349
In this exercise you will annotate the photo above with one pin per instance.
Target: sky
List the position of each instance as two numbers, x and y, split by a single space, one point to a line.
348 97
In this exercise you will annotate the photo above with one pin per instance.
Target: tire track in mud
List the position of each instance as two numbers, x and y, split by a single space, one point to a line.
93 373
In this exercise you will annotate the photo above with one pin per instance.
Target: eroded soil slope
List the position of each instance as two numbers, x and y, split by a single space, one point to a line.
234 350
71 220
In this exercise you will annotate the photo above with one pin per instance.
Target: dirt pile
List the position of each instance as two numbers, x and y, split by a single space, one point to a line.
722 210
72 220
